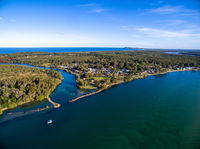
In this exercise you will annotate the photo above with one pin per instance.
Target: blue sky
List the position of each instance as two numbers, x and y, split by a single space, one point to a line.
100 23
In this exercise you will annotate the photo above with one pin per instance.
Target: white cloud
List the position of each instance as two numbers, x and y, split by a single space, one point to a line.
164 38
167 9
163 33
156 32
174 10
97 10
174 22
128 27
93 8
166 33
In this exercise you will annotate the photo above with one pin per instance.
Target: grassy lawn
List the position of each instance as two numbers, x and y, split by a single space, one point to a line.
46 65
99 78
88 87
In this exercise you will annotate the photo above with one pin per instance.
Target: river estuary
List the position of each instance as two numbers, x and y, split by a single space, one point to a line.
153 113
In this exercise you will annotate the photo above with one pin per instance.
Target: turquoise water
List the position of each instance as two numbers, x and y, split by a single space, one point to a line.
152 113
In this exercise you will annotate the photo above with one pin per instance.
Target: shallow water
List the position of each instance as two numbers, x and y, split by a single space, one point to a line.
156 112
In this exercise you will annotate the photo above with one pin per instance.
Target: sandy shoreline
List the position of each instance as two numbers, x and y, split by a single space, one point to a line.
93 93
55 105
78 98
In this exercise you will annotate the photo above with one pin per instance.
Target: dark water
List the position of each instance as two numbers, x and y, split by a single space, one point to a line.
152 113
67 49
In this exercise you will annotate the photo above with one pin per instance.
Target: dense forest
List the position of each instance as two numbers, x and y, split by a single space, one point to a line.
21 84
106 59
102 69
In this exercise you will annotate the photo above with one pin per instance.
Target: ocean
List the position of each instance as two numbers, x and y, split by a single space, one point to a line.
55 50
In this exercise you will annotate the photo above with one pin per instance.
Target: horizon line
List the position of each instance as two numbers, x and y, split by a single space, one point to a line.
113 47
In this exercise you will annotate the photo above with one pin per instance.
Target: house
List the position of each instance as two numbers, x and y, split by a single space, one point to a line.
64 67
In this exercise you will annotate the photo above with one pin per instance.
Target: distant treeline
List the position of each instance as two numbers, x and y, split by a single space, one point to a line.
101 69
129 59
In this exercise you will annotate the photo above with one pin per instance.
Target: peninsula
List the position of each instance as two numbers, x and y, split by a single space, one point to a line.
21 85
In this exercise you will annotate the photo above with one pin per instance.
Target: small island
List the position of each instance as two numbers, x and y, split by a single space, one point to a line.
20 85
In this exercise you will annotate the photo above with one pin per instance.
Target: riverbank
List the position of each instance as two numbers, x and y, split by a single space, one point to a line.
120 82
55 105
5 109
